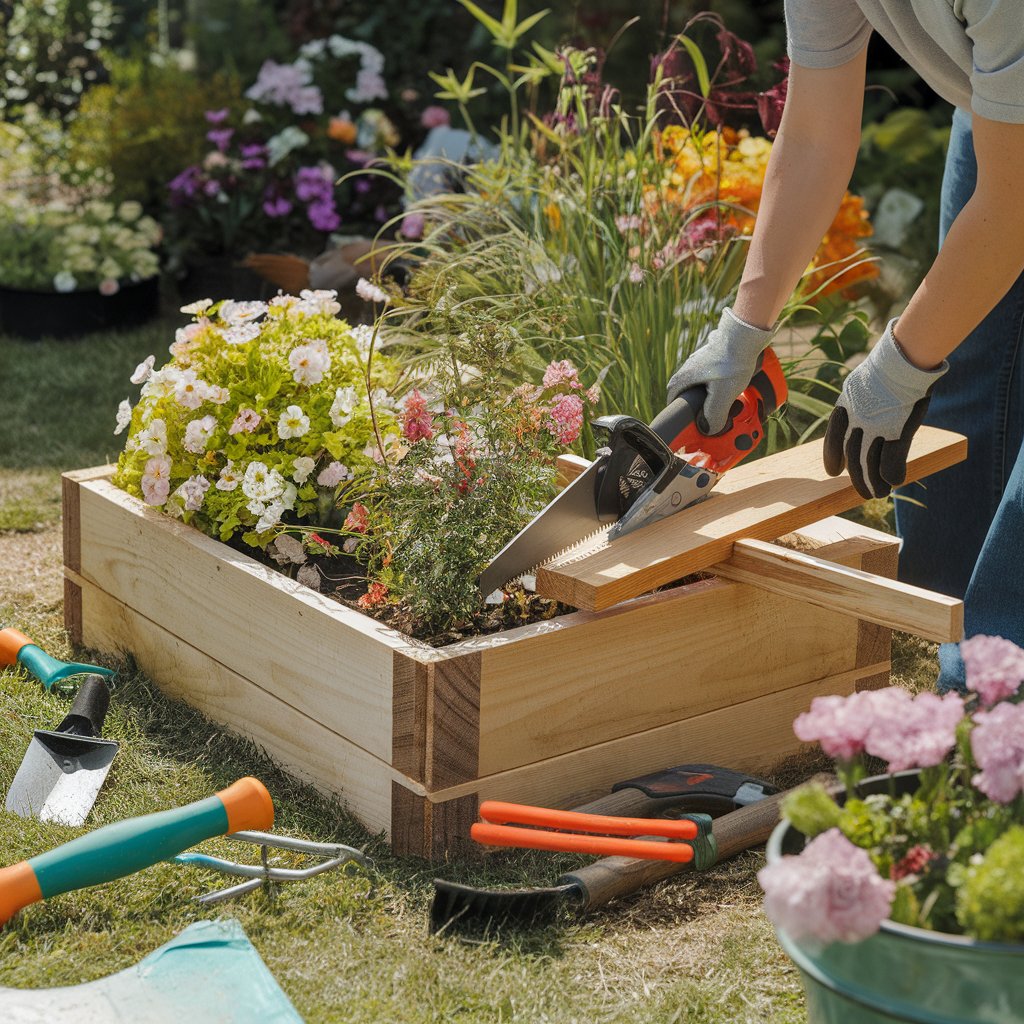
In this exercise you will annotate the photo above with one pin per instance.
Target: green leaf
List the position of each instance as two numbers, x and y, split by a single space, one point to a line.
699 65
491 24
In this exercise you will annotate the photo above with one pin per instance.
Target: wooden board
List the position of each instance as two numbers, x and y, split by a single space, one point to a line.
761 500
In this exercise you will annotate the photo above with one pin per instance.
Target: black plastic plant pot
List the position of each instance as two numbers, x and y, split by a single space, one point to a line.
33 315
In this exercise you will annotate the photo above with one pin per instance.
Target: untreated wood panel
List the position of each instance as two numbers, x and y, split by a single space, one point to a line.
409 738
761 500
753 736
874 642
448 830
657 660
302 745
453 729
409 834
323 659
71 512
73 611
846 590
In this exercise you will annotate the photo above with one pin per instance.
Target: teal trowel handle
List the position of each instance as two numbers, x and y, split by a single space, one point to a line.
127 846
16 647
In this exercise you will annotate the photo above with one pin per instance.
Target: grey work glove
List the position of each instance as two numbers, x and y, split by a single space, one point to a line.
723 363
884 401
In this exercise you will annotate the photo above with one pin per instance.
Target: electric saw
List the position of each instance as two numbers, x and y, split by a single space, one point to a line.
644 473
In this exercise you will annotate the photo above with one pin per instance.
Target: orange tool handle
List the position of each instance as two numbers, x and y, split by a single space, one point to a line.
11 642
500 813
570 842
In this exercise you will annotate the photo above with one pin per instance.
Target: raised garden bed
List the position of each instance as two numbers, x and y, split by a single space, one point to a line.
412 737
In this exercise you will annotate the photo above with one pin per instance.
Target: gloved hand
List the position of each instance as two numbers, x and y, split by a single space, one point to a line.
882 404
724 363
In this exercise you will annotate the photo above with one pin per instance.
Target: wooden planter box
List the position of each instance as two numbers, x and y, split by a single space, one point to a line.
410 737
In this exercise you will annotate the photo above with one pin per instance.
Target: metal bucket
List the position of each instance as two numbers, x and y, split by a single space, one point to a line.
903 973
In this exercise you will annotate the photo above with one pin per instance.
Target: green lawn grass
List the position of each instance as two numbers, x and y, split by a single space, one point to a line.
343 947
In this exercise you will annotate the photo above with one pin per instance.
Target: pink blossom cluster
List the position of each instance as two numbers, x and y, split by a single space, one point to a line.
831 892
905 731
565 413
565 418
995 667
287 85
417 421
997 743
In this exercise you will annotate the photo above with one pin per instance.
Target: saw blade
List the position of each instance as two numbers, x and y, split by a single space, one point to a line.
566 520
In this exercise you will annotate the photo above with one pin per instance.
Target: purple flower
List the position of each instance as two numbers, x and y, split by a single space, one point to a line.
363 186
212 187
995 667
831 892
254 156
220 137
277 206
313 184
186 184
287 85
997 743
413 225
323 216
216 116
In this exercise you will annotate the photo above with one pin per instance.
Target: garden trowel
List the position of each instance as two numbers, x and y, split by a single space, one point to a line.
644 473
63 770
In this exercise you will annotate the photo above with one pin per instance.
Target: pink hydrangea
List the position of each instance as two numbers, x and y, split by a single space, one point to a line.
565 418
561 372
995 667
997 743
841 724
831 892
246 421
920 735
417 422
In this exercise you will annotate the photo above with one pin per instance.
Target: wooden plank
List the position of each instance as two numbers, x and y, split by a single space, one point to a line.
874 643
453 722
753 736
302 745
329 662
846 590
71 512
759 500
409 722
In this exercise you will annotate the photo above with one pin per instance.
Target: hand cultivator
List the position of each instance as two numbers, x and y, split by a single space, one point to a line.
18 649
263 874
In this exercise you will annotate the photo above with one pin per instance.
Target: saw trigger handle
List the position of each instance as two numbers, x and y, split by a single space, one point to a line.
634 457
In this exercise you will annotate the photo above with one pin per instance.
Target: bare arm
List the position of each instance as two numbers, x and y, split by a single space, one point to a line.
981 257
808 172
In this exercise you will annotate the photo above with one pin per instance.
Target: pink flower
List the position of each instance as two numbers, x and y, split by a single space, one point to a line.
920 735
995 667
417 422
412 225
636 274
434 117
627 222
831 892
333 474
109 286
997 742
565 419
594 394
156 480
358 520
193 491
246 421
561 372
840 724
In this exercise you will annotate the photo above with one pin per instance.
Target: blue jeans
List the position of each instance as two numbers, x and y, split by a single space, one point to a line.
963 529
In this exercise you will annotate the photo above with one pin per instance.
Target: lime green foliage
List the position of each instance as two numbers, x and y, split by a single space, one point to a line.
56 247
146 123
811 809
235 431
990 903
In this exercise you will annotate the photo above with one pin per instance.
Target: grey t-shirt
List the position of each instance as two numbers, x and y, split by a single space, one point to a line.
971 52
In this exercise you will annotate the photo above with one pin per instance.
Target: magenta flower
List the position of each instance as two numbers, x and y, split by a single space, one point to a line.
313 184
323 216
434 117
561 372
831 892
997 742
254 156
565 418
220 137
417 422
277 206
216 116
920 735
413 225
995 667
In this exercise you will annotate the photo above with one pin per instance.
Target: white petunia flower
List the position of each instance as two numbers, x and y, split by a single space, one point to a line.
198 434
363 335
192 492
261 483
143 370
200 306
232 312
301 468
271 516
309 362
293 422
239 334
65 281
228 479
124 416
345 401
153 439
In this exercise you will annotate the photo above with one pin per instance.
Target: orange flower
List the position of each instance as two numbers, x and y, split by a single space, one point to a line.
343 130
